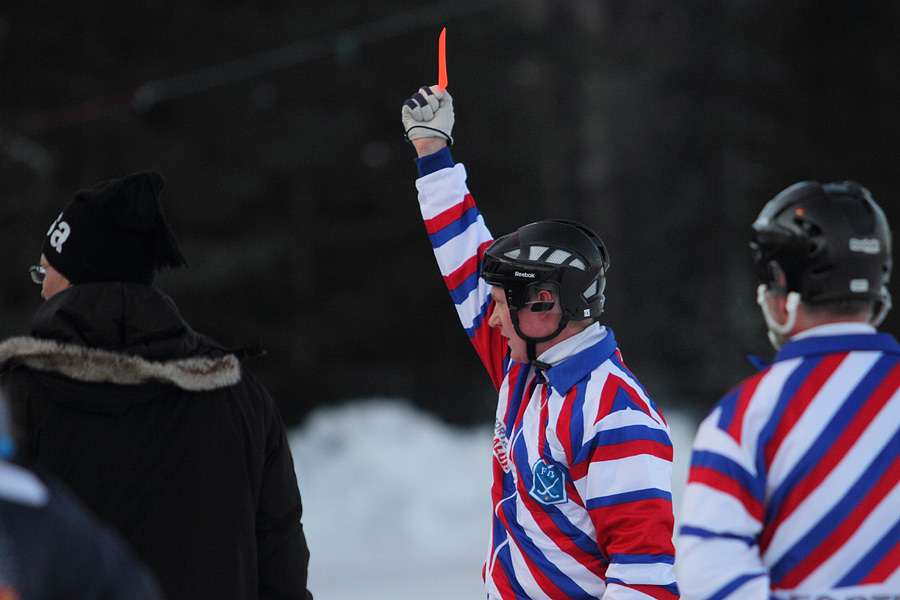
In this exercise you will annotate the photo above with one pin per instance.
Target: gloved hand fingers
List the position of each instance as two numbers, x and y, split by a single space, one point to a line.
423 104
428 112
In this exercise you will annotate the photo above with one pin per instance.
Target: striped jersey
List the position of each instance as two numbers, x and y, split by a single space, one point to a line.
794 486
581 455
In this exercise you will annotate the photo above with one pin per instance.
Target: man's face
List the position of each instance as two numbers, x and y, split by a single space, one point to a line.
533 324
54 282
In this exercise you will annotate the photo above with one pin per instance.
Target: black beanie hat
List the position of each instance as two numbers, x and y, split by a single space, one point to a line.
115 231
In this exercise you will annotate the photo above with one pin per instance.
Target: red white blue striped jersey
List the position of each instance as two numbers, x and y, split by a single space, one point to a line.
582 457
794 486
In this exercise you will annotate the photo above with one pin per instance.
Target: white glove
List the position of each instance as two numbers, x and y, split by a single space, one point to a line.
429 113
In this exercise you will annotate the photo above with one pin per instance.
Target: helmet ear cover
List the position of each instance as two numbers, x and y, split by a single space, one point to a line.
771 247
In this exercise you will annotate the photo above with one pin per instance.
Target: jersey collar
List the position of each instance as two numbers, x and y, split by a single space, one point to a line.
573 359
821 343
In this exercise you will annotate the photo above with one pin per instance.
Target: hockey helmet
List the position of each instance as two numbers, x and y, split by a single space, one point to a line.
832 242
556 252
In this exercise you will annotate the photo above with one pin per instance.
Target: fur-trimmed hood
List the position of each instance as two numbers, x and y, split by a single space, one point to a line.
119 333
93 365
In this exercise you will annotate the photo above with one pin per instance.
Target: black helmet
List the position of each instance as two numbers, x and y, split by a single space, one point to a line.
832 242
558 252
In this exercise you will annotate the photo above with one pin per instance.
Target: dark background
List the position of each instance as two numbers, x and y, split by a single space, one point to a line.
663 125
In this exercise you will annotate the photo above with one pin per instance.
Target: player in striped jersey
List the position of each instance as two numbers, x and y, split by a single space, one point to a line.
582 456
794 487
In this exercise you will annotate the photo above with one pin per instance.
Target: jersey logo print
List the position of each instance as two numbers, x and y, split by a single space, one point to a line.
500 447
548 485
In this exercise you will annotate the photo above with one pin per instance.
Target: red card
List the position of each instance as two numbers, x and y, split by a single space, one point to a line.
442 60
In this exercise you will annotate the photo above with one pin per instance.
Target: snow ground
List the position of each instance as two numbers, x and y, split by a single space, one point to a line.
397 504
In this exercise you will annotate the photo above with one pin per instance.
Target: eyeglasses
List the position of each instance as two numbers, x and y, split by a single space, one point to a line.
38 274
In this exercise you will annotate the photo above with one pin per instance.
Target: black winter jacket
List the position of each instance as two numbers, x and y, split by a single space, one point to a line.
165 436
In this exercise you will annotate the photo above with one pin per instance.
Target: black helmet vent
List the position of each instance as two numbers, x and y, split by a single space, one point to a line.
810 229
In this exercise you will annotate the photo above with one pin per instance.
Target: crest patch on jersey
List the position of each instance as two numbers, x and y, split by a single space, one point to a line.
548 485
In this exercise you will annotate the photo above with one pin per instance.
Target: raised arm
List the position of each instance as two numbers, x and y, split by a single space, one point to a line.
455 227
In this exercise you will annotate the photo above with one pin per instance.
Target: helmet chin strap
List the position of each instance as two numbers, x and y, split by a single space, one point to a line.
883 310
778 331
530 342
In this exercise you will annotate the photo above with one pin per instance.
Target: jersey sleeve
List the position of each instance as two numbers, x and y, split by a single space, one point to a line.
459 238
722 519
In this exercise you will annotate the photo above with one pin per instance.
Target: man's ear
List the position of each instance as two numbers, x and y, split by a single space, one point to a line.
543 303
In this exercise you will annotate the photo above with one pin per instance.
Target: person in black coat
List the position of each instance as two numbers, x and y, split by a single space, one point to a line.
157 428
